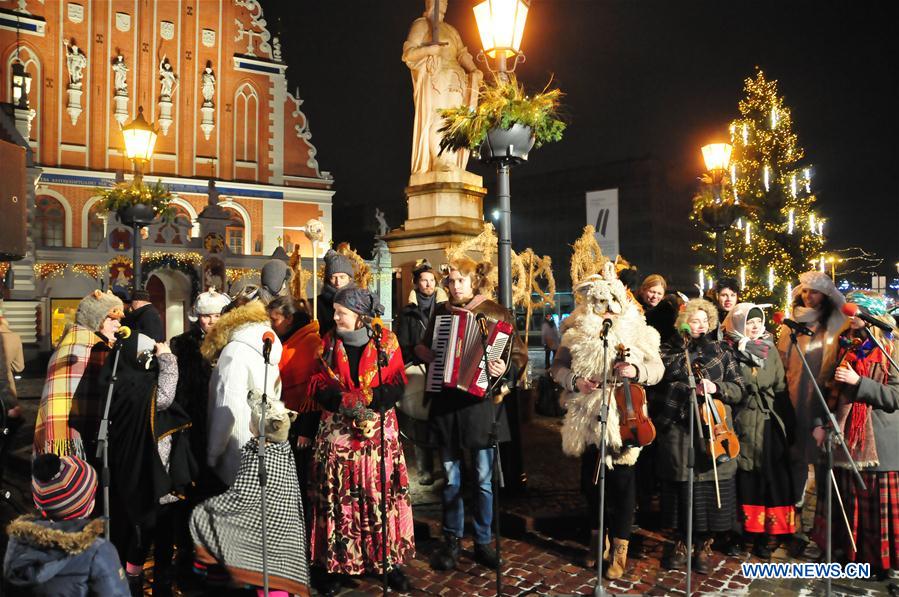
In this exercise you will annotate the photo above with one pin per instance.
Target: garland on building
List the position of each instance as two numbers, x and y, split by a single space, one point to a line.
185 263
779 231
43 271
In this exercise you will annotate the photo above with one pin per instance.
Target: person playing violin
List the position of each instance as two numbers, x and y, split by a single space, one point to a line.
632 358
720 380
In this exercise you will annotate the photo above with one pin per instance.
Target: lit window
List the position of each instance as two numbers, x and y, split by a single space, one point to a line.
50 222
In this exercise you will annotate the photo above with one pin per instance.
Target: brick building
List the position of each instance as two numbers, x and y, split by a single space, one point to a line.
210 75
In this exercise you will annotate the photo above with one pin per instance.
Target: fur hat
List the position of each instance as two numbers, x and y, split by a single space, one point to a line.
821 282
96 307
277 418
335 263
603 294
209 303
63 488
276 276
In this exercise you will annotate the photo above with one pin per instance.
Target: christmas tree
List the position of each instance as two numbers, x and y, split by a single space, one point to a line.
777 232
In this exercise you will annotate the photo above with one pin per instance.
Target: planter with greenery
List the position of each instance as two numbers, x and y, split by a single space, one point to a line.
506 123
137 202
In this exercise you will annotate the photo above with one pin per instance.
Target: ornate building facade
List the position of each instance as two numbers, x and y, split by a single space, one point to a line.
210 75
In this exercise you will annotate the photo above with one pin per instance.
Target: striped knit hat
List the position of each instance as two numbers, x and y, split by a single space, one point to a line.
63 488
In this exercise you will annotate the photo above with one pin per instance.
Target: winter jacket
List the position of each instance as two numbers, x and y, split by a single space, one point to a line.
147 321
299 360
413 324
61 559
766 398
193 386
457 419
671 413
235 343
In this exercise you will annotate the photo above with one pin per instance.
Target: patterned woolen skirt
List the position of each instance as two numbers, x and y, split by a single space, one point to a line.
345 493
707 516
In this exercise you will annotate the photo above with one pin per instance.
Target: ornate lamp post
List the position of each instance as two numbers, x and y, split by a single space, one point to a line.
140 138
722 212
21 85
501 26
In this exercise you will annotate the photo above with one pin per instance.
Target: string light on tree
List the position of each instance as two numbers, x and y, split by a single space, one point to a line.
771 279
773 182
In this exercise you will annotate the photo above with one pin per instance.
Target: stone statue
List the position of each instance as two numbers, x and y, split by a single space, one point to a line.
167 78
383 228
121 75
76 62
208 88
444 75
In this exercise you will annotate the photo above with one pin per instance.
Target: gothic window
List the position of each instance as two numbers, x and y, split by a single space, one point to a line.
234 233
96 226
50 222
246 122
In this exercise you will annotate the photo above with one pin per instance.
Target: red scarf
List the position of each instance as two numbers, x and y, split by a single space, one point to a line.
862 356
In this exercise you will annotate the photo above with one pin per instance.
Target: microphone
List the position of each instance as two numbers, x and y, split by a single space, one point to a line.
684 329
268 338
377 324
481 320
606 325
123 332
853 310
797 327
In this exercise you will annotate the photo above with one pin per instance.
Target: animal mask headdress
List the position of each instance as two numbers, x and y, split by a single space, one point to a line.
603 294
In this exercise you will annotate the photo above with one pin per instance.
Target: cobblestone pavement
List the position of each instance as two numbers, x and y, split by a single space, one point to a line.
542 548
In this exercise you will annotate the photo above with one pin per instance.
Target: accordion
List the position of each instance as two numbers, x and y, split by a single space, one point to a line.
459 352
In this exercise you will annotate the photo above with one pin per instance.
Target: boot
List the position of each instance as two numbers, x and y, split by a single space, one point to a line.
675 556
486 556
703 558
397 580
760 546
136 584
590 558
619 560
447 555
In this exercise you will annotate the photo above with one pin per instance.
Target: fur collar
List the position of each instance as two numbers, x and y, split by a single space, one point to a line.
440 296
221 333
27 529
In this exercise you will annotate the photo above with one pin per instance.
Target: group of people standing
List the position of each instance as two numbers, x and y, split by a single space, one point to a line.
185 420
766 494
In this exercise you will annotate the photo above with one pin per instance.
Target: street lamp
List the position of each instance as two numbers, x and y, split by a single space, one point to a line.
721 213
140 138
501 27
21 85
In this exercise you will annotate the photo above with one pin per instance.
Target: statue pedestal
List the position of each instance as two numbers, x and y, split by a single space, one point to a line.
445 208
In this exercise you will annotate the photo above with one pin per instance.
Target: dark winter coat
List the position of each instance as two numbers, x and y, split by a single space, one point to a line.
147 321
458 419
61 559
670 414
766 398
411 327
193 386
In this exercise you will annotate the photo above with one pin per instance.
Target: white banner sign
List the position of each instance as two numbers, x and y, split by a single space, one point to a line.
602 213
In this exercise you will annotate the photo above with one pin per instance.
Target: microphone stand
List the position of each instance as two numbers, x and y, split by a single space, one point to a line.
834 436
497 476
375 334
263 476
691 463
103 436
600 470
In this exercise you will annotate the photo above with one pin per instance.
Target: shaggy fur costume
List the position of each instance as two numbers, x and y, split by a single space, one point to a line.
603 298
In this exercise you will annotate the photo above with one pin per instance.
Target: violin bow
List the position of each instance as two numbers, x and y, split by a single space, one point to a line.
709 406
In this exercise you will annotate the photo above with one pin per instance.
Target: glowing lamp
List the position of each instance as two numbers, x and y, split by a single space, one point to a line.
140 138
501 25
21 85
716 156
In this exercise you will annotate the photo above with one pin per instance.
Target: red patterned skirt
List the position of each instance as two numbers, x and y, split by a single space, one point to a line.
345 491
766 494
873 516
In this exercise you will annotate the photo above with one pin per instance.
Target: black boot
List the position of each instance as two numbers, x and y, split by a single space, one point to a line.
329 585
398 581
486 556
675 556
136 584
760 546
447 555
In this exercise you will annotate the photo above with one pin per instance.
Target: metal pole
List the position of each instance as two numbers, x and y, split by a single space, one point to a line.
505 235
719 253
136 225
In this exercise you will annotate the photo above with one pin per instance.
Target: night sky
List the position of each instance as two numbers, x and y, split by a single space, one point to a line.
643 79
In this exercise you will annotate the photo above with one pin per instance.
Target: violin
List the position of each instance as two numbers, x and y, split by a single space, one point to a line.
722 440
635 427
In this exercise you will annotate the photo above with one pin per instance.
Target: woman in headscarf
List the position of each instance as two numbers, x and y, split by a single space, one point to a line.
70 407
764 423
816 304
720 379
150 462
354 383
864 393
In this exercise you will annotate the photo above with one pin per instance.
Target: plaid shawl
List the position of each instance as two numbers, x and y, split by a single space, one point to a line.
80 355
718 365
